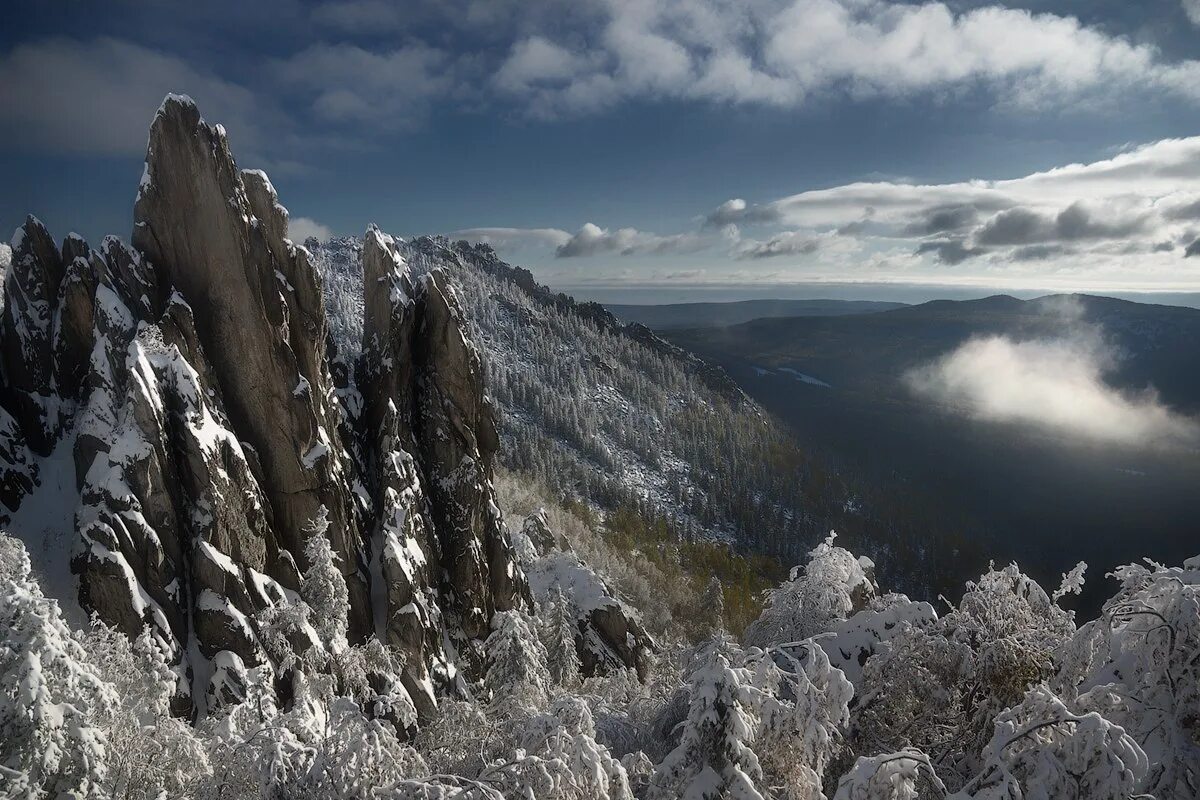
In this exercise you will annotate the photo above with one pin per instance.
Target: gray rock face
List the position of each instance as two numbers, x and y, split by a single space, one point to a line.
190 376
26 334
456 431
216 235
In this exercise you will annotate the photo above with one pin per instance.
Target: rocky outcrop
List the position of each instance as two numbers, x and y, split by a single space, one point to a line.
190 376
217 236
456 431
27 333
610 633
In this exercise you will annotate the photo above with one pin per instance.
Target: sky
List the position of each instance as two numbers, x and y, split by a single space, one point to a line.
657 147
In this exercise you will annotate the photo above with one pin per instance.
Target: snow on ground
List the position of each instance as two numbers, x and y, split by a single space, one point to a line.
46 524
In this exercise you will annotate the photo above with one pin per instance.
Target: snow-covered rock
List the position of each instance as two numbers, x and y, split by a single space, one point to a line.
188 380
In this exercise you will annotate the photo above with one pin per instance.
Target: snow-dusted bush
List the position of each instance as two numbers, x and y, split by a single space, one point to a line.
51 696
906 775
1042 750
1139 666
832 586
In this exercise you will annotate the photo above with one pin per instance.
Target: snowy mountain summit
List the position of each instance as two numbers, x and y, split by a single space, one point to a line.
186 379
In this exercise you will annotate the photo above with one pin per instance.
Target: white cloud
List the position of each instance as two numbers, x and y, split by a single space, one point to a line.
97 97
1192 9
782 54
1126 220
1054 384
348 84
300 228
591 240
788 243
515 238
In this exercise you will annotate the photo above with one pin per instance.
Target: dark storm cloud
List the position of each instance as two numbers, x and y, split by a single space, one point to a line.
943 219
1021 226
949 251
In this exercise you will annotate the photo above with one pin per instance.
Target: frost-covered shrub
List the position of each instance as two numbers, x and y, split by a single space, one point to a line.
832 586
1139 666
149 751
560 759
906 775
51 696
938 686
1042 750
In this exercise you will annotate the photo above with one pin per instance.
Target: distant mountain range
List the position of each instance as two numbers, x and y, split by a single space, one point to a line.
1153 345
693 315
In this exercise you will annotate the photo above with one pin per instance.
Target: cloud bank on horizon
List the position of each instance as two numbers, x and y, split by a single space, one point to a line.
1056 385
352 75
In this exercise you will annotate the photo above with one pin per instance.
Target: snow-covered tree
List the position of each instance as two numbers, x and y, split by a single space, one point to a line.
51 696
516 675
803 708
833 585
714 758
559 629
324 587
1138 666
906 775
1042 750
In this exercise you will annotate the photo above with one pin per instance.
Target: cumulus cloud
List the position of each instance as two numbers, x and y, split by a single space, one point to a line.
1022 226
1192 9
782 54
737 212
592 240
789 243
949 251
301 228
515 238
1055 384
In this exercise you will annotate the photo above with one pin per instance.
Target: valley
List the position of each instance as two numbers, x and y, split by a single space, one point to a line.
1031 494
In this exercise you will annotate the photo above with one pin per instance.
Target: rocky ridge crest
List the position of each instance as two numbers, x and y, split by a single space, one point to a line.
210 423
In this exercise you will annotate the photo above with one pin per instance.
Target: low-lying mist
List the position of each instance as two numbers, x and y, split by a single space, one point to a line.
1052 383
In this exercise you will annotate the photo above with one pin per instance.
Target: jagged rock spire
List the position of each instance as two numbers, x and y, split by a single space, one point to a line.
191 373
217 235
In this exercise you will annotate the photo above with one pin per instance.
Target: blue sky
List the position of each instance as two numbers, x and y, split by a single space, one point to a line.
660 144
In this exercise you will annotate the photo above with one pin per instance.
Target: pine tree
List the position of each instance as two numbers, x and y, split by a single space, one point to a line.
516 664
713 601
323 587
559 628
714 759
